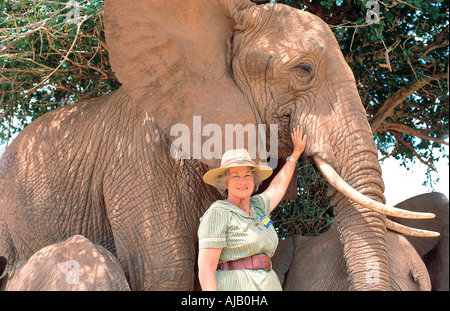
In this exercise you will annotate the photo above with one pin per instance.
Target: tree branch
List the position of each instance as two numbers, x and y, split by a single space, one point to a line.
402 128
62 62
414 151
389 105
397 147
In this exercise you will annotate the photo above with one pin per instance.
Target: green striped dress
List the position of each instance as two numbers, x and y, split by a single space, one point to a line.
239 235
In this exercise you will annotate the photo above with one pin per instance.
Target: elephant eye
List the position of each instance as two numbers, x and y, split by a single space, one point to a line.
304 68
304 71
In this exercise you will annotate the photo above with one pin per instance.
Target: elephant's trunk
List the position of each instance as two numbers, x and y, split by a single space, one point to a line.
346 154
362 230
347 145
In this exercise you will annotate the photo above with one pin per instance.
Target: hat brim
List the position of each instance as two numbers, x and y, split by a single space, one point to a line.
263 170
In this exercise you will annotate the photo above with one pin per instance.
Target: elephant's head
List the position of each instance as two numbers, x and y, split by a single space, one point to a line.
206 64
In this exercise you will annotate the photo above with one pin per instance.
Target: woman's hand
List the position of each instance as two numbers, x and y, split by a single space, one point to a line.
280 182
299 141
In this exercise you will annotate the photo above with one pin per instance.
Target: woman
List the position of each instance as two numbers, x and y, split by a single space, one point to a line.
236 238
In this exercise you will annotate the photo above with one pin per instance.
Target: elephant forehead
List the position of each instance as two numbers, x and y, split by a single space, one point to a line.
291 32
288 46
286 33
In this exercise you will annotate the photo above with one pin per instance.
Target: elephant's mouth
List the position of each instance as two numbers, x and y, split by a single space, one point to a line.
343 187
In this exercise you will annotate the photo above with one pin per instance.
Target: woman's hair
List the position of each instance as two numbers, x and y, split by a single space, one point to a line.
221 181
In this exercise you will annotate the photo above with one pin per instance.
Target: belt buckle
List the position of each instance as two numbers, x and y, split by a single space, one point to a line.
255 261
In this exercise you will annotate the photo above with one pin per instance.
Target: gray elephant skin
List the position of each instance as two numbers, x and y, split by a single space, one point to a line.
316 263
434 251
72 265
102 168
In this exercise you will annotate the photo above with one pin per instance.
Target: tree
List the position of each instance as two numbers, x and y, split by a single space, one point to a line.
53 53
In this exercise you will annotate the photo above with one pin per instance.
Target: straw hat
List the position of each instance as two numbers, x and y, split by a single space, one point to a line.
233 158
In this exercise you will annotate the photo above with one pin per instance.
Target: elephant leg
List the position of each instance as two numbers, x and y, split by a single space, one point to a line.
154 242
153 207
152 250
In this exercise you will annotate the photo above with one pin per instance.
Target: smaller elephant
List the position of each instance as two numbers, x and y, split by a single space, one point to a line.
317 263
434 251
75 264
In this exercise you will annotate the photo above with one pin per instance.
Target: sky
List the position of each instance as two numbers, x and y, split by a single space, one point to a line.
401 184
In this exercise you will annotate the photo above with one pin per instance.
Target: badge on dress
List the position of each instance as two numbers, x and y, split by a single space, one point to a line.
266 221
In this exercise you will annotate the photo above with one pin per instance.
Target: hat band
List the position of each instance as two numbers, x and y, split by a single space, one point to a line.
239 161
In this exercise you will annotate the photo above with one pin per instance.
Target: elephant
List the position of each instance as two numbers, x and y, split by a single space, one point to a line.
116 170
72 265
317 262
434 251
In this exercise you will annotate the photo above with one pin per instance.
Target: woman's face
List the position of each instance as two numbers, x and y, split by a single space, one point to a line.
240 182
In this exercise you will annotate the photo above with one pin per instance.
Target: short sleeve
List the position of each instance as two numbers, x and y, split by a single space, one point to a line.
212 232
262 202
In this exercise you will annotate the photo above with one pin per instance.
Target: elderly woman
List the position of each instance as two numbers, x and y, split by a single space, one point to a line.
236 238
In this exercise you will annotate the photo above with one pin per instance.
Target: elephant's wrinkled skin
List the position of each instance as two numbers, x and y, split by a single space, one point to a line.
434 251
317 263
102 168
72 265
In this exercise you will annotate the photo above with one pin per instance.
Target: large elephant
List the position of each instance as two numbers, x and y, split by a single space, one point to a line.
105 169
317 263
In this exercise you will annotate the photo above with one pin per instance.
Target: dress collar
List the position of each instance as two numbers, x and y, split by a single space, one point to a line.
230 206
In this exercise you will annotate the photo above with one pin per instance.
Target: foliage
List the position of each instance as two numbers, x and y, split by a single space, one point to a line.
309 214
52 53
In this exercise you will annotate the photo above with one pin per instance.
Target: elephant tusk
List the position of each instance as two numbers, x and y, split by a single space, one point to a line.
391 225
339 184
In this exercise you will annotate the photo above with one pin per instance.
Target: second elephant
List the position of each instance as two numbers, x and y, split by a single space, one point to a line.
316 263
72 265
415 263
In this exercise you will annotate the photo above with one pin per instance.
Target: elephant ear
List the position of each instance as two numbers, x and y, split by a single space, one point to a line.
172 57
